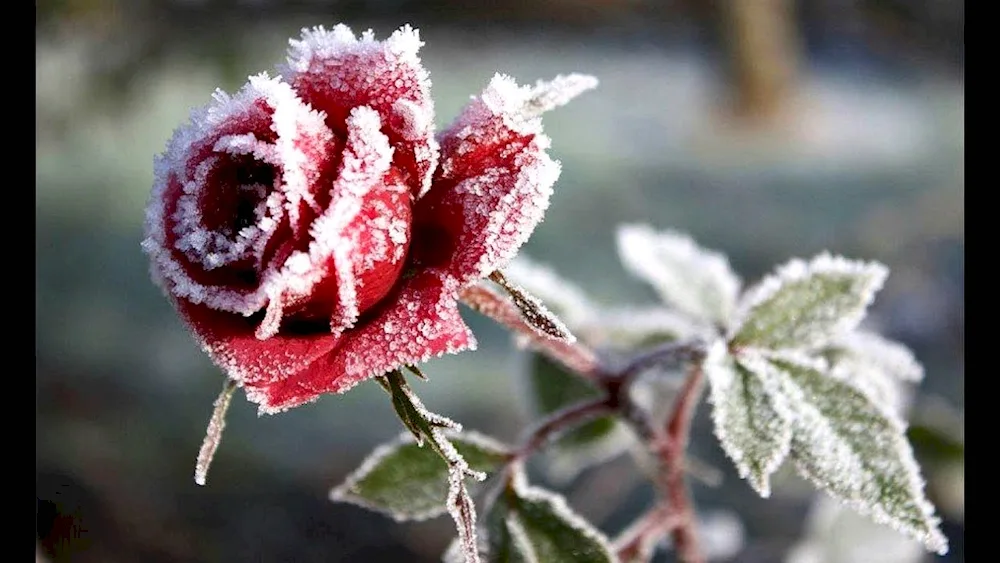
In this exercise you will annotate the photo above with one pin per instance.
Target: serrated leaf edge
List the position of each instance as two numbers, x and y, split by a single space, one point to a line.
759 481
797 270
933 539
559 505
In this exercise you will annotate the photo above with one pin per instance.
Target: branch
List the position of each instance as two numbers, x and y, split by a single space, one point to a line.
560 422
678 435
674 512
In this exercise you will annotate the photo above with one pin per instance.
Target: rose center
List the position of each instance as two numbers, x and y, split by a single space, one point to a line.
226 212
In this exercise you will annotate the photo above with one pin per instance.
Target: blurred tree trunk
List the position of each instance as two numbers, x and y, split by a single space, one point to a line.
762 44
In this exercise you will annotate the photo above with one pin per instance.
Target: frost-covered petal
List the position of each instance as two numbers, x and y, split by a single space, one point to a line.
232 181
692 279
335 71
415 323
492 187
358 245
230 341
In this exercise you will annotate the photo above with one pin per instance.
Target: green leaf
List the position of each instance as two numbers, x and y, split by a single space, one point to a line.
805 305
875 365
532 525
552 388
410 482
752 421
856 451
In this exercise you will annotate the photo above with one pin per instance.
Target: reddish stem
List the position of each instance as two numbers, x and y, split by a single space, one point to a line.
636 543
672 456
560 422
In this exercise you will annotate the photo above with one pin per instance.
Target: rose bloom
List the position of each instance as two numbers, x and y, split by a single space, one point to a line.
313 232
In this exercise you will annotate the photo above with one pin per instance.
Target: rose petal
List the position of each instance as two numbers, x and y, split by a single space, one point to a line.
492 187
231 343
334 71
192 254
419 322
359 242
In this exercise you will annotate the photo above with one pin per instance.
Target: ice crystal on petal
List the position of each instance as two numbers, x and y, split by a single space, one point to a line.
807 304
265 121
752 418
696 281
337 71
425 323
494 182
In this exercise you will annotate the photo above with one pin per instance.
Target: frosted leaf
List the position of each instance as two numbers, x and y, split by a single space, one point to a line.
430 427
856 451
875 365
532 309
533 525
554 532
805 305
692 279
559 294
752 419
500 308
410 482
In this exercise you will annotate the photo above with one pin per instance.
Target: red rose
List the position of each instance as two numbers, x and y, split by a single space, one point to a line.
313 233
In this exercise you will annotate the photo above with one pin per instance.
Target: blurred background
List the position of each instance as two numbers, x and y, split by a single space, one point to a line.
766 129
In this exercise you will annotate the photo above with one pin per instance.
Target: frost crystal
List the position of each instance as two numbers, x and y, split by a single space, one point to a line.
696 281
805 305
752 418
876 366
856 451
